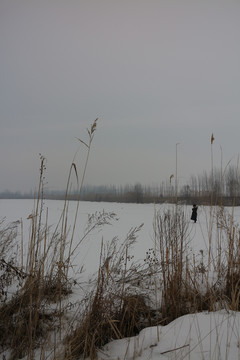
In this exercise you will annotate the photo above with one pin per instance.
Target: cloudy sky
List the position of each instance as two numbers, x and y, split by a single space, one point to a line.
155 73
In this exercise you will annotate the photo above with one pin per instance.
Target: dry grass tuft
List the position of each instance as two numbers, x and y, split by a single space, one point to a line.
115 309
26 319
105 321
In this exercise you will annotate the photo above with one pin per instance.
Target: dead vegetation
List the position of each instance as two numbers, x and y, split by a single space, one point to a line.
116 308
127 295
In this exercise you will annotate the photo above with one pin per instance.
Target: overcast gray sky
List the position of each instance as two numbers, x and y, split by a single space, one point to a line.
155 72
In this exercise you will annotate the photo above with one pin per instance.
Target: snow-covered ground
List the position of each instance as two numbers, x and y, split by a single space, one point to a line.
202 336
127 216
214 335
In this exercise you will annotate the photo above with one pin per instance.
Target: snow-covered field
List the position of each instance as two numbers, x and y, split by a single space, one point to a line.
214 335
127 216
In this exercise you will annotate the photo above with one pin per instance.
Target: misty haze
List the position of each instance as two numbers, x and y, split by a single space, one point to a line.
120 179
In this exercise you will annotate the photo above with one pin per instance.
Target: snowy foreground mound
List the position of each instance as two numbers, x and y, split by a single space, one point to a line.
205 336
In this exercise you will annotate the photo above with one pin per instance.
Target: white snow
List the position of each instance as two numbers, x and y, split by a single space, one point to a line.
213 335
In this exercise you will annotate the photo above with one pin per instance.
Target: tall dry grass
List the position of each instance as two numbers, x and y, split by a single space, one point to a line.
116 308
37 308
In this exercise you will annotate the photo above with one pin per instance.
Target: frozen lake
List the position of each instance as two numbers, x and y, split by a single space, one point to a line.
128 215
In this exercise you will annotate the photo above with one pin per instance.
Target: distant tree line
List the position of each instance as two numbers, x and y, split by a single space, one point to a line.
216 187
7 194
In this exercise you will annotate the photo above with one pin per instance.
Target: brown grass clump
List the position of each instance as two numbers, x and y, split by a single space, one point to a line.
133 315
171 238
188 286
17 330
26 319
115 309
104 322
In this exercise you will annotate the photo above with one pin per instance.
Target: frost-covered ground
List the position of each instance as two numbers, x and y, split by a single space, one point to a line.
199 336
